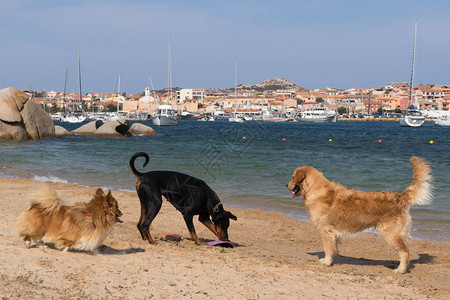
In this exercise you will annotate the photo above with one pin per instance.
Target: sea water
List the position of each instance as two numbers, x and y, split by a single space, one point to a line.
248 164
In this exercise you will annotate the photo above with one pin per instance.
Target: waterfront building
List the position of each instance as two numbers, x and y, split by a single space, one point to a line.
190 94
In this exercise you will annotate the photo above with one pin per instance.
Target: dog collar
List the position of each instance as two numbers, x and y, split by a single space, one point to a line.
87 213
216 207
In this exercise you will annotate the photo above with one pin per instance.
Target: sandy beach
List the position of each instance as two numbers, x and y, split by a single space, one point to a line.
275 257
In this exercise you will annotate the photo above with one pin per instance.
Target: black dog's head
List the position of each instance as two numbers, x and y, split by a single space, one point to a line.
221 220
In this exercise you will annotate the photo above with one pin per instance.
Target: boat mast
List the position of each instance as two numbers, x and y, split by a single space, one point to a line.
45 107
151 85
412 70
169 71
235 83
65 87
118 92
118 87
79 73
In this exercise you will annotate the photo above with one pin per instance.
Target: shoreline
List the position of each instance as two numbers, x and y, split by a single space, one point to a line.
418 232
275 256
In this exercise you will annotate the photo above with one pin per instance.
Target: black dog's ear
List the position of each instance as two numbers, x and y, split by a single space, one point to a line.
231 216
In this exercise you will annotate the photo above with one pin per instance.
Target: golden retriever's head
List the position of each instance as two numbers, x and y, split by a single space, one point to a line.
108 204
298 177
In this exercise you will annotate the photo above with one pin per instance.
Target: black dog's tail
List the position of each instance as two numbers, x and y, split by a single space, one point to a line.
133 158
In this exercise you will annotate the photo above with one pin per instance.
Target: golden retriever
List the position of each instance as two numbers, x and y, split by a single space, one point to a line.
335 209
83 226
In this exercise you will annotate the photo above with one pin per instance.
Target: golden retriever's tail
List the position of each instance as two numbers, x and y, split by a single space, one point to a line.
421 189
45 198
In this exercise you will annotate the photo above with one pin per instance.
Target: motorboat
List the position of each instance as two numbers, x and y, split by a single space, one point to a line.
318 114
206 119
165 116
74 118
443 121
236 119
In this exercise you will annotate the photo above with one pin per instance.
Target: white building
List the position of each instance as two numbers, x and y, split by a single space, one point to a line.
190 94
147 96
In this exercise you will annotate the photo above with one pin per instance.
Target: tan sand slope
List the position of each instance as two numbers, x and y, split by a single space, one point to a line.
276 258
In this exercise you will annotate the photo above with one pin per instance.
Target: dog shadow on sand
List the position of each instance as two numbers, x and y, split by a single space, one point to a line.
204 241
423 259
103 250
106 250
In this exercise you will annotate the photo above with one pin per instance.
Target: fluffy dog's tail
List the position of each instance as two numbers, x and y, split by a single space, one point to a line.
45 198
421 189
133 158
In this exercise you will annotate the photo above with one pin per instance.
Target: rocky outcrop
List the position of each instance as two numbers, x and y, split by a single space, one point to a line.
61 131
118 128
88 128
141 129
272 84
12 132
22 119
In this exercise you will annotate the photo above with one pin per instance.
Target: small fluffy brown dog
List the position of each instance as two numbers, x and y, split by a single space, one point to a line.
83 226
336 209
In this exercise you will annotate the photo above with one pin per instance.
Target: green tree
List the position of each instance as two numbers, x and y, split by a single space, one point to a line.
111 107
53 109
319 100
342 110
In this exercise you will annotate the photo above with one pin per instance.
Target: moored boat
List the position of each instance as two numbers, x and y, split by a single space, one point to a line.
443 121
412 116
165 116
74 118
318 114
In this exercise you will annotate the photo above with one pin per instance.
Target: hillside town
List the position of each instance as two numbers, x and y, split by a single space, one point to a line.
274 97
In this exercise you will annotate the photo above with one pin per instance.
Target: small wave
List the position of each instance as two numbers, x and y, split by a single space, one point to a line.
51 179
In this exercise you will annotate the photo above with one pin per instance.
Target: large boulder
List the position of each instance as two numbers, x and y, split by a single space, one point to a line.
88 128
61 131
117 128
12 132
22 119
141 129
37 122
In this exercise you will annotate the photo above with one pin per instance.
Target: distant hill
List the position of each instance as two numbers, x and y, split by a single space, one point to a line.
271 84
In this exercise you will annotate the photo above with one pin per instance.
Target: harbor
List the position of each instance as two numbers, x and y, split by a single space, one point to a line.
248 164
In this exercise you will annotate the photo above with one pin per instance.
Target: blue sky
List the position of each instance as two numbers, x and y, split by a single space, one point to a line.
314 44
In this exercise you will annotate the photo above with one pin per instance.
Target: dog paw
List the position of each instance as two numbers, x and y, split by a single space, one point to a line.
326 261
400 271
27 244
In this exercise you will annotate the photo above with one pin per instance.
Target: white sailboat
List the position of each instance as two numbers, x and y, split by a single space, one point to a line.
77 115
235 118
412 117
165 114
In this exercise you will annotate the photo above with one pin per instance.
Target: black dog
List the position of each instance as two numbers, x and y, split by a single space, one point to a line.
191 196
